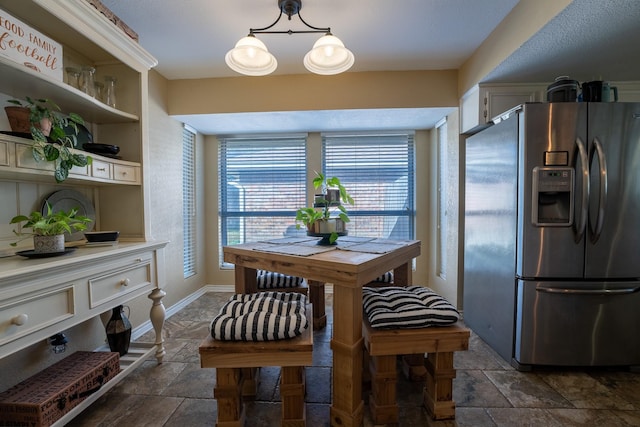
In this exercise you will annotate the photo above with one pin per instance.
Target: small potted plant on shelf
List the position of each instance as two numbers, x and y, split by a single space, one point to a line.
48 230
328 217
54 135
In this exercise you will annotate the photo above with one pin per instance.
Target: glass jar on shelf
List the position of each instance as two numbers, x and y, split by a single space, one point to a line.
73 77
110 91
88 81
99 91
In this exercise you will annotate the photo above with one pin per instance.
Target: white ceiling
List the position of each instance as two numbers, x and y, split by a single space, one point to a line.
588 40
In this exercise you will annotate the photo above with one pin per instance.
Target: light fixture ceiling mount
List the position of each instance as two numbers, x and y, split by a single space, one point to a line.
251 57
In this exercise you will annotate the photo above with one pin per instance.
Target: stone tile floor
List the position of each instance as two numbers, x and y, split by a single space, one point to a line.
487 390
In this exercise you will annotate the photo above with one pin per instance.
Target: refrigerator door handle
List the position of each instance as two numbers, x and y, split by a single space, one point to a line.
581 224
602 203
588 291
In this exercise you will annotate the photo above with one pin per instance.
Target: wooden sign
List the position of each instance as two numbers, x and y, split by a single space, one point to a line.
22 44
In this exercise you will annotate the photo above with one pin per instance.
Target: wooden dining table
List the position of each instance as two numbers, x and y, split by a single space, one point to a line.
349 265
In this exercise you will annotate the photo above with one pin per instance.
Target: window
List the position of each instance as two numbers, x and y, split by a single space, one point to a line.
441 245
262 184
378 171
188 202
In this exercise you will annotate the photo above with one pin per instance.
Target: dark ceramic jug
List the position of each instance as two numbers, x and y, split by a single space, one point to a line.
119 331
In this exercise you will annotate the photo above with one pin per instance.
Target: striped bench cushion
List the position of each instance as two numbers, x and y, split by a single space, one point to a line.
263 316
385 278
406 307
270 280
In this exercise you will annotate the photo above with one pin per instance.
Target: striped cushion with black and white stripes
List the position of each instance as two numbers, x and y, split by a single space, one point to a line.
262 316
407 307
385 278
270 280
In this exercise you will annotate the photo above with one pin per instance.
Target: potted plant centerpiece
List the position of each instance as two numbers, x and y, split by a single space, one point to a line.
48 230
54 135
328 216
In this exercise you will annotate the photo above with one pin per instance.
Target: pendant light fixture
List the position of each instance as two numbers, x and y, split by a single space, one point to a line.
251 57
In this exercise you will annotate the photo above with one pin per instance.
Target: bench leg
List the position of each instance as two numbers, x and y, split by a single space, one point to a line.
383 405
250 382
438 391
292 395
228 393
316 295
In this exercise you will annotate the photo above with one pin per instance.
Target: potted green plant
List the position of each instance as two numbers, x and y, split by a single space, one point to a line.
54 134
48 230
328 215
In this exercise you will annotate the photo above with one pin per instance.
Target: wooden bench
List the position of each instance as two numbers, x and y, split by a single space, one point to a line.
236 363
439 342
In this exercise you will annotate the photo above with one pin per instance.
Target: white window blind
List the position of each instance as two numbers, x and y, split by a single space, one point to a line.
378 172
262 184
188 202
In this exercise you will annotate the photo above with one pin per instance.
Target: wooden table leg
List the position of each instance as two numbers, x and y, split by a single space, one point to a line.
316 295
402 275
346 403
246 282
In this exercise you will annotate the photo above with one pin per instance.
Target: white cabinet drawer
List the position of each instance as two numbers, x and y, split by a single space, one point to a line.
22 317
24 159
126 173
4 153
79 171
100 169
120 281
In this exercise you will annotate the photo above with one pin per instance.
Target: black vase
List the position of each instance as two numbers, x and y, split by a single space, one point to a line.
119 331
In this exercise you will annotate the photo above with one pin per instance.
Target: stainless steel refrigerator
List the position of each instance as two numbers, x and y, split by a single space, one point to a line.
552 235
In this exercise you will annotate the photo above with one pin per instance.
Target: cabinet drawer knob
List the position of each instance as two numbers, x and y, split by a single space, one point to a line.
20 319
102 169
125 282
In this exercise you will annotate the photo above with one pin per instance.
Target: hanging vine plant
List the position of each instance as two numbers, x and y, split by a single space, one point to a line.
54 135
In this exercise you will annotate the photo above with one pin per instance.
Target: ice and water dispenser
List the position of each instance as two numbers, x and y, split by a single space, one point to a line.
552 201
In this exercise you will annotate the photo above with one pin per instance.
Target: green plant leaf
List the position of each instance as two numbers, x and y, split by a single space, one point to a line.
75 119
18 218
50 152
56 134
318 180
78 160
61 174
344 217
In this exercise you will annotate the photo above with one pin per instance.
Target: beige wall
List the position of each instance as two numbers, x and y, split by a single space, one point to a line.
164 174
398 89
165 158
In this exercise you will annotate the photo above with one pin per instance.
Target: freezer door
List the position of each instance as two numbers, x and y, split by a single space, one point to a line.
490 234
551 144
577 323
613 242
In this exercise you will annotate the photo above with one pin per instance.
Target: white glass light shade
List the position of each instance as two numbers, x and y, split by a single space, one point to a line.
251 57
328 56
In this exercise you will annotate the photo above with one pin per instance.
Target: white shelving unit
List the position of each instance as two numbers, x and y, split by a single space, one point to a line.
40 297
